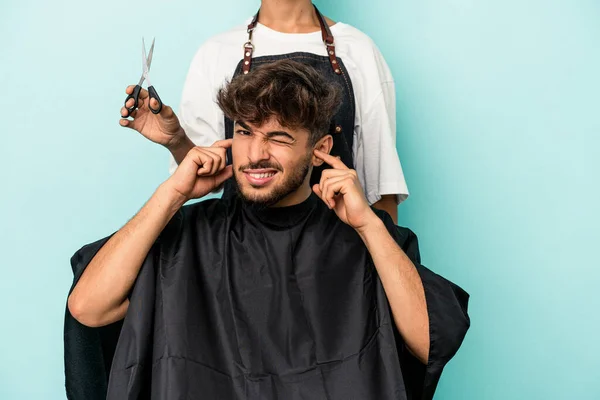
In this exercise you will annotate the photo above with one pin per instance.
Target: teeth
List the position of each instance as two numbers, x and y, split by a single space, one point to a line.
261 176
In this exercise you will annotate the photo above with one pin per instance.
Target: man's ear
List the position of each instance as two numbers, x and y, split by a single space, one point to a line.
324 145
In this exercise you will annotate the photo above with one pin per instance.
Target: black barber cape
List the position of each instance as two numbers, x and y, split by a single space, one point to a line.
283 303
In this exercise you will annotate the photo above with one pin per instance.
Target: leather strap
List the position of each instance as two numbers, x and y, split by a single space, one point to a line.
328 41
326 34
248 46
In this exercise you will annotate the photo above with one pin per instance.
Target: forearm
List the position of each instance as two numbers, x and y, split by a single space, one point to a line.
100 296
403 287
388 204
181 147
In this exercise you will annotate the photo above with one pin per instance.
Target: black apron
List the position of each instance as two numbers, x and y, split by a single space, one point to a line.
332 68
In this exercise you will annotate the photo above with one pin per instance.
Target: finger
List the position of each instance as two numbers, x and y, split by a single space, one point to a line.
206 164
131 102
223 176
129 89
196 156
317 191
334 187
221 153
165 112
143 94
331 160
132 114
126 114
210 163
223 143
216 162
142 100
154 104
129 123
332 173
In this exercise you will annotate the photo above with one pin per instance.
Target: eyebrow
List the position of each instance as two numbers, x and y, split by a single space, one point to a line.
268 134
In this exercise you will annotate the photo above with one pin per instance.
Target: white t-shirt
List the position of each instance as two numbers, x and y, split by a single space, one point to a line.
374 146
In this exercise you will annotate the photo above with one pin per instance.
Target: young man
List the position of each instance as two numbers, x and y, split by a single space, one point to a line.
281 292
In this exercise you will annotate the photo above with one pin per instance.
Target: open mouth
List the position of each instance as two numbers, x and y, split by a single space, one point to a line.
260 177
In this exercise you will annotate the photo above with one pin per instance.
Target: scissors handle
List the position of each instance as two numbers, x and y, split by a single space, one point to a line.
154 95
135 96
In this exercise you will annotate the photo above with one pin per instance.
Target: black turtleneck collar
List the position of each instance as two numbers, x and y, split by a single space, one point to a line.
284 216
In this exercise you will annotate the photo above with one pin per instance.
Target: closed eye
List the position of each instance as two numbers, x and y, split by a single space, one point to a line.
281 138
281 141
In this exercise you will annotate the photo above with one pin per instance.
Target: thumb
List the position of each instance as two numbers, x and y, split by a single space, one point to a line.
223 175
154 104
165 112
317 190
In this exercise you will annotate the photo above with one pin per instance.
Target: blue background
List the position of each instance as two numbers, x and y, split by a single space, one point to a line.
498 131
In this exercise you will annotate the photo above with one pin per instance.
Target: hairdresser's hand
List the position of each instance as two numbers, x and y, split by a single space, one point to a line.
162 128
340 189
202 170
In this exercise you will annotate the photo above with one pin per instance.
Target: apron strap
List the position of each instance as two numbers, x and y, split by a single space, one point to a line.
328 41
326 34
248 46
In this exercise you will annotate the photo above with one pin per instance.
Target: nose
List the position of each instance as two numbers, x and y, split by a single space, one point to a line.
259 150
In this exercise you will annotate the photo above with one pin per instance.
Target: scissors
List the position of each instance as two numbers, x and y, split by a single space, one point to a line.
146 62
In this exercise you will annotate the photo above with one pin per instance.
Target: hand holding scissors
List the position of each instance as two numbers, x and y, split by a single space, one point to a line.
146 62
161 125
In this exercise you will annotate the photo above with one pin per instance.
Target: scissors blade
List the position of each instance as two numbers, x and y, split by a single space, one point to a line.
142 80
144 59
149 59
143 77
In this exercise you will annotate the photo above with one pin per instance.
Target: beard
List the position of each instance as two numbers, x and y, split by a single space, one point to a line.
277 193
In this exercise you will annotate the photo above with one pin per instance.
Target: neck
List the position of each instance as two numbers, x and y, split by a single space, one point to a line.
289 16
296 197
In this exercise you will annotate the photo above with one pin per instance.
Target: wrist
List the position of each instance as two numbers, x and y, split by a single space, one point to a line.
169 197
373 224
180 142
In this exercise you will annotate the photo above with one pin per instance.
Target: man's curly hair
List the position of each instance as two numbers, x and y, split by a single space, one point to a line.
293 93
